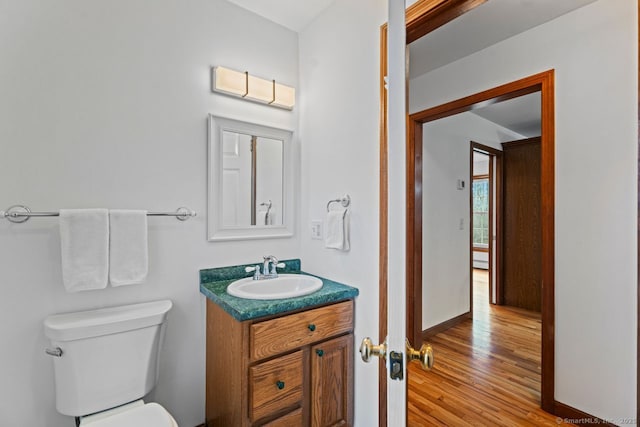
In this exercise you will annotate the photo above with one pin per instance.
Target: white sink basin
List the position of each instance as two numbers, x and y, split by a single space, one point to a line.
283 286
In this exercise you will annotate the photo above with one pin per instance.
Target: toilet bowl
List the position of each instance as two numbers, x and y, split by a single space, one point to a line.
136 414
105 361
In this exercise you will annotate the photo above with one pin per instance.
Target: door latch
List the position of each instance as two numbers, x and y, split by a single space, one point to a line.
396 365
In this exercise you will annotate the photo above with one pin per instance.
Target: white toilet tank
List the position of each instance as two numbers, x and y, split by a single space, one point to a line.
109 356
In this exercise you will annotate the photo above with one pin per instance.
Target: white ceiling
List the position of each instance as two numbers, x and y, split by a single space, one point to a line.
293 14
521 115
488 24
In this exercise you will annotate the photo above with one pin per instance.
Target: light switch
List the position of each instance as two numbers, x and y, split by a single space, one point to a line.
316 230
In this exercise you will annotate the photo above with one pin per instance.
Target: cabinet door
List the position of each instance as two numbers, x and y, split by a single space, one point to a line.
332 382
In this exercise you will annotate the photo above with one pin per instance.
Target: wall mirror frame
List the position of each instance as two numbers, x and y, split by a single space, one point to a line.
219 227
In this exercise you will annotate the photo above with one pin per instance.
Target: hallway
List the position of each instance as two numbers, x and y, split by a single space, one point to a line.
487 370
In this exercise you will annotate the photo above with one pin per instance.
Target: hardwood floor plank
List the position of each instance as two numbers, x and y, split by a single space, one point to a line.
486 373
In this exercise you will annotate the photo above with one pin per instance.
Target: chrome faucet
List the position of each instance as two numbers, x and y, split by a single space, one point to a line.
267 272
269 259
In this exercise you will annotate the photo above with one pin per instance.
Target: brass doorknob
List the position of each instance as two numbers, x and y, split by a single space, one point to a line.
368 350
424 355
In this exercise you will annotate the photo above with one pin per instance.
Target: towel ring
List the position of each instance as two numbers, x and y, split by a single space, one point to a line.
345 201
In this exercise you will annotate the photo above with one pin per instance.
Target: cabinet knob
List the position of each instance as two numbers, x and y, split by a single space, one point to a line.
280 385
312 327
320 352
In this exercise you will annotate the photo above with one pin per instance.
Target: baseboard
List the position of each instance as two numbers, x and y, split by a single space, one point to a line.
441 327
577 417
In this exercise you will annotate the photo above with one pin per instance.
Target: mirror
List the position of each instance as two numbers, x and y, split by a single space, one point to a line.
250 185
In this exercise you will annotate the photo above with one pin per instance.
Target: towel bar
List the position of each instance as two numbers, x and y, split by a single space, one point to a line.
21 213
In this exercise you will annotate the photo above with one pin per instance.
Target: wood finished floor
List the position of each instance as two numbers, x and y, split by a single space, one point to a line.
486 373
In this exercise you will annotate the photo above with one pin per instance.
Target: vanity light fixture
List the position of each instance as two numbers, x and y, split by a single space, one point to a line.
244 85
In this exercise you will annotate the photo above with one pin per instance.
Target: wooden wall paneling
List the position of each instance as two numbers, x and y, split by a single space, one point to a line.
522 235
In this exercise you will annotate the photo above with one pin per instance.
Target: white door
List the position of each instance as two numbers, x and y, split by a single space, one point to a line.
395 349
396 140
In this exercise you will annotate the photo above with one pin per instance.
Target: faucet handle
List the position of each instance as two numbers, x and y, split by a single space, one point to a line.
255 269
276 264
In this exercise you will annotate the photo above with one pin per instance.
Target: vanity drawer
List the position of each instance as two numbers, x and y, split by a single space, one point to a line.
292 419
275 385
296 330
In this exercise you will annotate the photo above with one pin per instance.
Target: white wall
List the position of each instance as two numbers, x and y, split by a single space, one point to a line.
445 210
594 53
339 116
104 104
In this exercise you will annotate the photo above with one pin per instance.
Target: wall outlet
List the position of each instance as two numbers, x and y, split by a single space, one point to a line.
316 230
461 224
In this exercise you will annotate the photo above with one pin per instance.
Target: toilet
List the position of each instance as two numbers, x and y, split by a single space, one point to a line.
105 361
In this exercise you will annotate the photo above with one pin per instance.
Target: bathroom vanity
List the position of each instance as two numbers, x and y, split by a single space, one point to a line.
278 362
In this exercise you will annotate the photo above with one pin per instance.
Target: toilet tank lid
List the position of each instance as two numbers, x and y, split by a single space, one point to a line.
104 321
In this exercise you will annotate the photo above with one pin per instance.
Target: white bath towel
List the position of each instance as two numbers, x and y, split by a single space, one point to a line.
337 234
84 241
128 249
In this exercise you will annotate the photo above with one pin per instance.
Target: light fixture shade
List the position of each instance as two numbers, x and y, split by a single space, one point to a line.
285 96
252 88
260 89
229 81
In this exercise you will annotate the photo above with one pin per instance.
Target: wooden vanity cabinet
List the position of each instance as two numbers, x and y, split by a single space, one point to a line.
294 369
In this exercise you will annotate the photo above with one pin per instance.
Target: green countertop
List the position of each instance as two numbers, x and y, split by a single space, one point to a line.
214 282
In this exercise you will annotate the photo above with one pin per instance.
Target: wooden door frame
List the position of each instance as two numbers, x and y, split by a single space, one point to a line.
543 83
423 17
495 174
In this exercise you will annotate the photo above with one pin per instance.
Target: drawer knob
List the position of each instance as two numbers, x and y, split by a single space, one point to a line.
312 327
320 352
280 385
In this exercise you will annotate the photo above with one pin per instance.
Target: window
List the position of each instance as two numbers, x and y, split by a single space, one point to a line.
480 197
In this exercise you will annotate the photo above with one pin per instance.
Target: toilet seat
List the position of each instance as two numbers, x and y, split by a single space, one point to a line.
147 415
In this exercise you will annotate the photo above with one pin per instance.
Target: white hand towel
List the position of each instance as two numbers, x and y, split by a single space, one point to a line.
84 241
128 249
337 235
